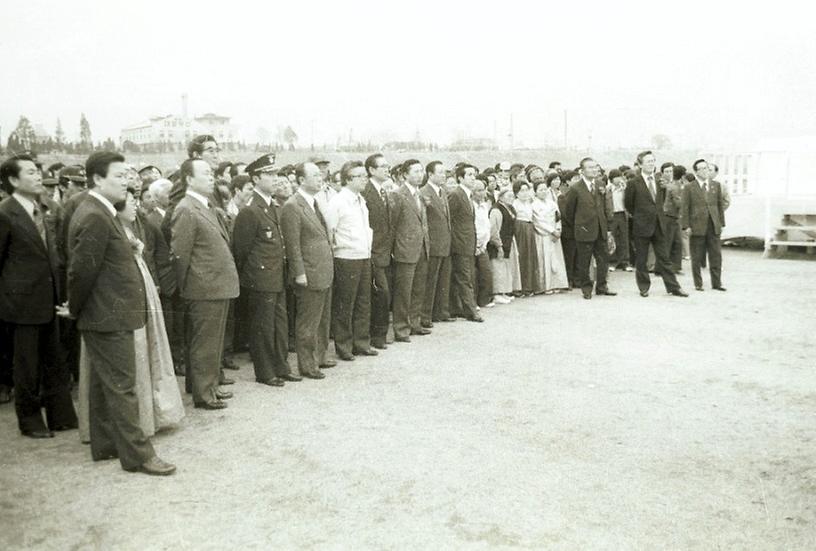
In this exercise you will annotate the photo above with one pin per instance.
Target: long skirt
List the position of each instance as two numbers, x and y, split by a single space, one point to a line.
506 272
551 267
528 258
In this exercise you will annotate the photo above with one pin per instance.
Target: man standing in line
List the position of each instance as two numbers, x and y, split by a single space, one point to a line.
350 236
702 213
645 199
311 270
207 281
619 223
585 210
379 220
106 296
436 306
463 243
260 258
409 223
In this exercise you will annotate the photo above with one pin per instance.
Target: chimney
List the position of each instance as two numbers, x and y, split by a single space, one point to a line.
184 106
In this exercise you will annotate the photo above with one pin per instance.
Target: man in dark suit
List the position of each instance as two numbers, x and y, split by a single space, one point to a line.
379 219
106 296
644 199
207 281
463 243
702 212
567 231
585 211
436 306
260 257
409 224
29 293
311 271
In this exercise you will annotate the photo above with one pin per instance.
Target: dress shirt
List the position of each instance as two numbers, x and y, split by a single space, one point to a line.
618 193
482 222
198 197
309 198
105 201
26 203
703 184
347 222
267 199
435 188
466 190
589 184
161 211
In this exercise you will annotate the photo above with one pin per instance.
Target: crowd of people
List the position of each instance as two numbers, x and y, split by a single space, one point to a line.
115 280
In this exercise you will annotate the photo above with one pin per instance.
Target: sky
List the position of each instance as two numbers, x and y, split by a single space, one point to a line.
706 74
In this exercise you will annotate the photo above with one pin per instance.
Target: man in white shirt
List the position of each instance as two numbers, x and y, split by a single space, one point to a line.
350 236
483 274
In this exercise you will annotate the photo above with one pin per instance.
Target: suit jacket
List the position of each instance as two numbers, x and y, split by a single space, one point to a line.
29 267
379 218
674 200
647 213
165 271
439 224
409 222
105 287
567 231
698 206
200 243
258 247
308 247
68 210
586 212
463 223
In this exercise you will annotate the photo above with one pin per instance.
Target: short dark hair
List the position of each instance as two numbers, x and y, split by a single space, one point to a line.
697 162
300 172
664 166
237 184
550 177
406 165
11 169
584 161
234 169
371 162
196 145
714 166
554 164
569 175
98 164
185 171
223 166
346 169
54 168
430 168
679 171
460 170
642 155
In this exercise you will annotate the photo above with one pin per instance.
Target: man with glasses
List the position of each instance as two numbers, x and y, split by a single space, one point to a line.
379 219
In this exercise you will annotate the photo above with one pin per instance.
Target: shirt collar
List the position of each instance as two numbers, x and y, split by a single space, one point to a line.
350 195
161 211
701 182
434 187
376 185
587 182
412 189
104 201
309 198
466 190
27 204
267 198
195 195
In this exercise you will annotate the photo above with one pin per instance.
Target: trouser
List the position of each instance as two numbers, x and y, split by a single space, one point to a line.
291 309
409 292
240 335
662 265
40 378
568 246
620 231
436 305
173 312
6 354
674 244
205 324
700 246
268 332
312 327
463 299
483 280
584 252
380 303
351 305
113 407
69 346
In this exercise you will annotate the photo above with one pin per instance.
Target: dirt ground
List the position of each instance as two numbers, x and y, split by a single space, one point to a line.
616 423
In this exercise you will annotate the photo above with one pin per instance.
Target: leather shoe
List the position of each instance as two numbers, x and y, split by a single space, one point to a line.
290 377
315 375
5 394
223 395
420 331
720 288
345 357
211 405
679 293
379 345
427 324
402 339
699 289
477 318
229 364
606 292
587 296
328 364
273 382
155 467
226 381
369 352
37 433
644 294
448 319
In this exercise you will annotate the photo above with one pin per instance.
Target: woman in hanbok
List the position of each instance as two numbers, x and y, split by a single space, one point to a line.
502 248
156 388
525 238
547 224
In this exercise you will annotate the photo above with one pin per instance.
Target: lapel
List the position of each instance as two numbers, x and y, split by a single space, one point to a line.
412 200
29 229
583 189
114 220
309 212
645 186
267 213
210 217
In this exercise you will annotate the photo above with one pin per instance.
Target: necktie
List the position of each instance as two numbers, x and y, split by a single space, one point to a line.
705 187
651 186
38 222
320 215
